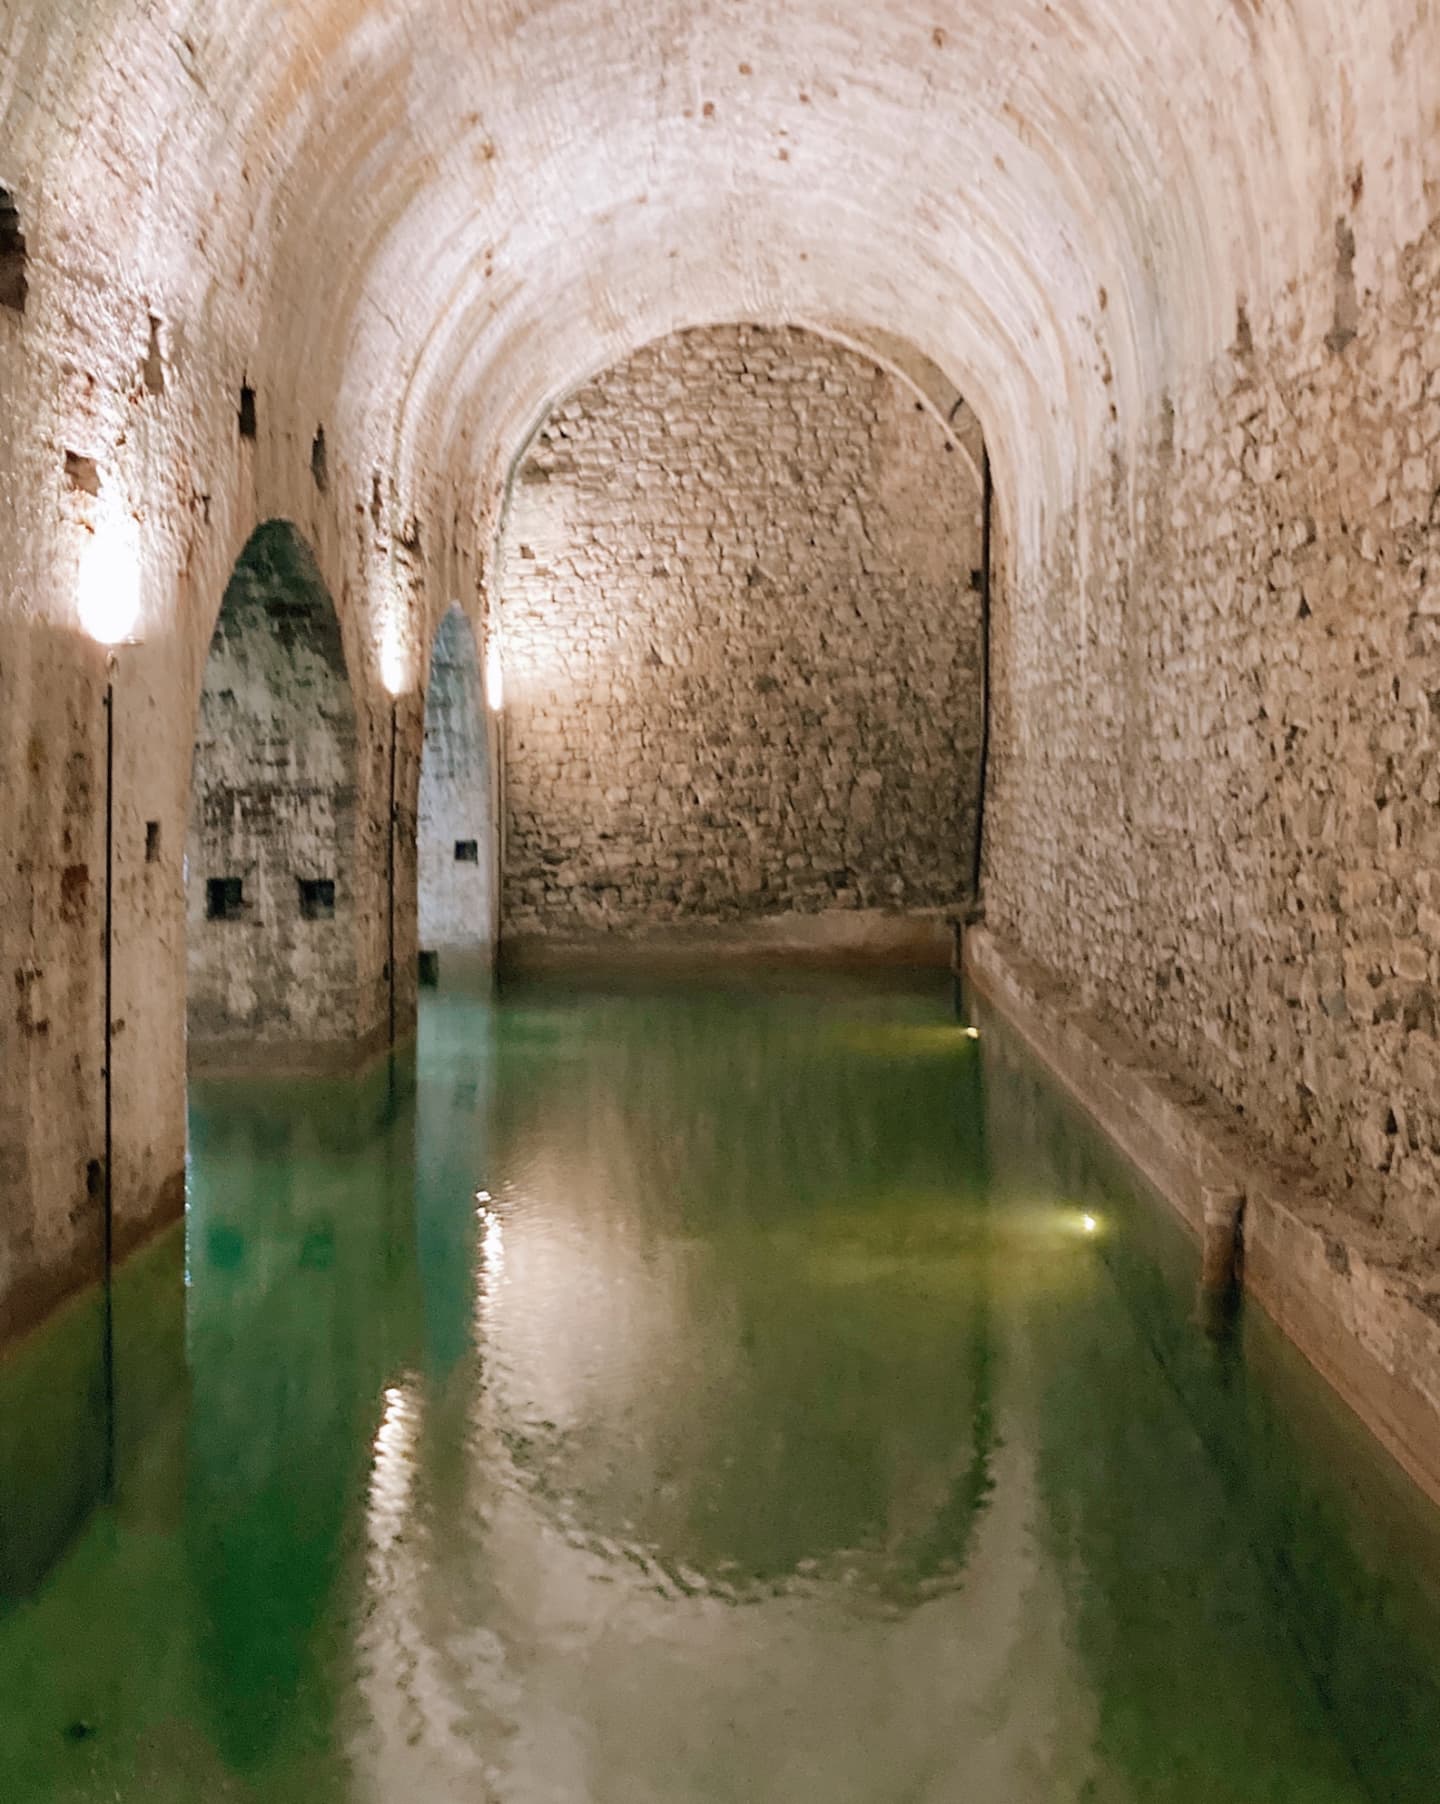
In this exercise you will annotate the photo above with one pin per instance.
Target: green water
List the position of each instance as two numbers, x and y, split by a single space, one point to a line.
774 1430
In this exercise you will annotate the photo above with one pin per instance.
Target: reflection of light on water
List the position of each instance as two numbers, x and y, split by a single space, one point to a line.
490 1271
493 1248
414 1722
393 1474
892 1040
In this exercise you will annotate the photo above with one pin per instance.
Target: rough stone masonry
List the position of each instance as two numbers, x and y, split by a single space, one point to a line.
271 849
741 639
1217 783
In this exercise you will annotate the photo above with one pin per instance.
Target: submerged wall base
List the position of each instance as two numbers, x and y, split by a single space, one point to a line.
1354 1298
32 1300
852 936
241 1057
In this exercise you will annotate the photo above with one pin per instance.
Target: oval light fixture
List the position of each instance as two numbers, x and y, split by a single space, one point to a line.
109 582
494 676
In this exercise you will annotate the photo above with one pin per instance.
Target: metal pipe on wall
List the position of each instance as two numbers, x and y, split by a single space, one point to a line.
390 865
501 826
987 502
108 1331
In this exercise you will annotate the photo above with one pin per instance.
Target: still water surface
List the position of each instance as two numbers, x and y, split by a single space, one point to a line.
695 1392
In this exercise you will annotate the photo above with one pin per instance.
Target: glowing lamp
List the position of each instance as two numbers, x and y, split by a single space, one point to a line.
494 677
392 666
109 587
396 661
1089 1223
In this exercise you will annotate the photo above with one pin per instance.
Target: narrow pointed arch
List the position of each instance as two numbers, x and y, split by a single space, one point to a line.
270 856
457 849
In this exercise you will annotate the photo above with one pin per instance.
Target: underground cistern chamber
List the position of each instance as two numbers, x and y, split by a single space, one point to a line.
720 780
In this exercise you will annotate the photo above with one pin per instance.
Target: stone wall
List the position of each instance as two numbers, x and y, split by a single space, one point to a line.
1216 805
456 852
272 812
740 643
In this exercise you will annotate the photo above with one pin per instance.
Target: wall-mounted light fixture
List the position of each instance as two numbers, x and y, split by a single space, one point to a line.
109 584
395 650
109 605
494 676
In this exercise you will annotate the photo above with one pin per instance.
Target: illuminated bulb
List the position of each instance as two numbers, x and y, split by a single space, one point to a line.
972 1033
494 677
109 590
1089 1223
392 662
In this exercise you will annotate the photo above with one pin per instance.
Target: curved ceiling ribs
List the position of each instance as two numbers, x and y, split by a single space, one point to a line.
443 218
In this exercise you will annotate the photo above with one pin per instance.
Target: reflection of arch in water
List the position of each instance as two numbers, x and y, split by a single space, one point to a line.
270 900
457 888
738 1296
299 1305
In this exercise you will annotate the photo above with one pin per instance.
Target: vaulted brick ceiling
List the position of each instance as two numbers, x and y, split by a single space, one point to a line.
435 218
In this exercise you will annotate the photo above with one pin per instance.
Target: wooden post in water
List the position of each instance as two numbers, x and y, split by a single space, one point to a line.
1222 1213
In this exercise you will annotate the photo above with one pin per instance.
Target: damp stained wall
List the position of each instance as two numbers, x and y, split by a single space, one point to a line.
741 642
457 839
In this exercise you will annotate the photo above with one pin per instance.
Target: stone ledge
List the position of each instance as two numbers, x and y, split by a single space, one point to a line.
242 1057
1341 1287
835 937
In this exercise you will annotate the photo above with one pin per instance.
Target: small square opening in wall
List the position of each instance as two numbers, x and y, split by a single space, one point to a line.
224 898
317 898
467 851
152 842
13 261
319 461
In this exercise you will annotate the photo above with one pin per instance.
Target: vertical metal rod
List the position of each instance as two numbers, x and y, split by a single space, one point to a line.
987 501
108 1345
502 828
394 728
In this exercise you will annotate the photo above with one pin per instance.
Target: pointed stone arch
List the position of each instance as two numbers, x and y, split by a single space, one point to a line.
458 891
270 856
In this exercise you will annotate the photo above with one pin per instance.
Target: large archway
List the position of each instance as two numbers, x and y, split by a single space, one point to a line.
270 896
740 589
458 895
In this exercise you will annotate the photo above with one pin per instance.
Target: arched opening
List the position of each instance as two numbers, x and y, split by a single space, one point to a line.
457 889
741 583
270 896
